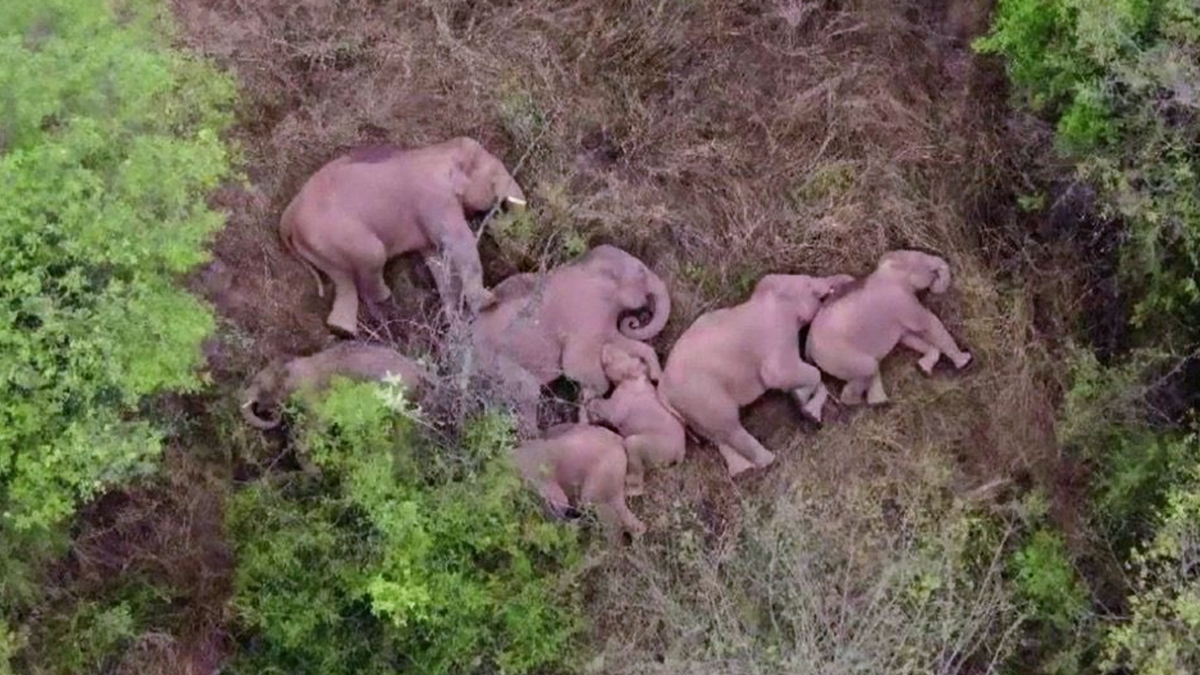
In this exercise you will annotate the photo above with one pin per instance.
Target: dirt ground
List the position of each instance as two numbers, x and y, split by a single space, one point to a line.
716 140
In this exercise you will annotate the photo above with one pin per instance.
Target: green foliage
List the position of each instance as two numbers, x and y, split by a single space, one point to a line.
384 560
1160 635
1118 78
110 141
1134 465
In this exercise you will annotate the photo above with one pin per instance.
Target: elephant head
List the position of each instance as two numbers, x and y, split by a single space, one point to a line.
637 288
917 270
266 391
488 182
621 366
800 293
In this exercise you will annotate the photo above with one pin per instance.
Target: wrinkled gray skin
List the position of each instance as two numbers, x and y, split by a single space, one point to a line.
856 328
374 203
544 326
352 360
654 436
582 460
730 357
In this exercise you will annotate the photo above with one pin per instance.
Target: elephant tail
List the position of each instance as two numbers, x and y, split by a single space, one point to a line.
660 305
288 237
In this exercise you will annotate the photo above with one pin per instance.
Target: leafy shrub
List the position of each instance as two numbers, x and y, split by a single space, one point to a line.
385 560
1118 78
1159 636
110 141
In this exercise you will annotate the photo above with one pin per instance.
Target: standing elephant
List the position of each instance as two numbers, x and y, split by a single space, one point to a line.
586 460
371 204
352 360
858 327
654 436
730 357
544 326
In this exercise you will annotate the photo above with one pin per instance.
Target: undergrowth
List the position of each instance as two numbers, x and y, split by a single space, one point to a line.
383 561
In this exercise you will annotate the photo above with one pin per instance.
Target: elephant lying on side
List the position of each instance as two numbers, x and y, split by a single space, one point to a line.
654 436
373 203
858 327
352 360
544 326
730 357
586 461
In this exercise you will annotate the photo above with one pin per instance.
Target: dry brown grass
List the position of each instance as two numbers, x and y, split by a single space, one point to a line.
718 141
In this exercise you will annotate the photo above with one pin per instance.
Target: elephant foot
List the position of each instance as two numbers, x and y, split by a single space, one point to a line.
877 401
342 330
927 362
734 462
964 360
765 460
635 489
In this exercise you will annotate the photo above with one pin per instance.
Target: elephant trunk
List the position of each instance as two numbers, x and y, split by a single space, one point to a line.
252 417
660 307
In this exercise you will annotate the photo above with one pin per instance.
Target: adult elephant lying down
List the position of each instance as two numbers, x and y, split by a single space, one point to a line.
545 326
374 203
857 327
357 361
730 357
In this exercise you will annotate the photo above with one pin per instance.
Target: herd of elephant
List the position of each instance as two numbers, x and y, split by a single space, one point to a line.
581 320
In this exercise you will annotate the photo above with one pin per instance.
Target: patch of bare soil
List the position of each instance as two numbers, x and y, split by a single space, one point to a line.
717 140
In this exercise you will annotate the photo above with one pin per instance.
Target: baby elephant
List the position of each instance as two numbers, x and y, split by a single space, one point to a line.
585 460
373 203
730 357
352 360
654 435
860 325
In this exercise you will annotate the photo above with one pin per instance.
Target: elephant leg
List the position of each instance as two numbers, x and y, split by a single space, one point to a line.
635 474
934 332
749 448
734 463
786 372
556 498
853 391
604 488
439 268
929 353
875 393
343 318
461 253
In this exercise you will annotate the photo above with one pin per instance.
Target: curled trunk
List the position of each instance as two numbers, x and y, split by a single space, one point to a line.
660 308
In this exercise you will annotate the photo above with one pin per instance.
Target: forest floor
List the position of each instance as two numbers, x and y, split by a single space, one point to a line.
718 141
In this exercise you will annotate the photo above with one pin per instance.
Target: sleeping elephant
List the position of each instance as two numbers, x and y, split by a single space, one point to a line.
352 360
373 203
730 357
654 435
544 326
583 460
861 324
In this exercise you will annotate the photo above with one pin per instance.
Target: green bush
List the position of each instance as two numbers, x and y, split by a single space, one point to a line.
383 560
1118 78
110 142
1159 637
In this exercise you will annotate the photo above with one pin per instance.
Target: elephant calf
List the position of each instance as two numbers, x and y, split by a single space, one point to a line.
352 360
585 460
654 436
371 204
730 357
857 328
